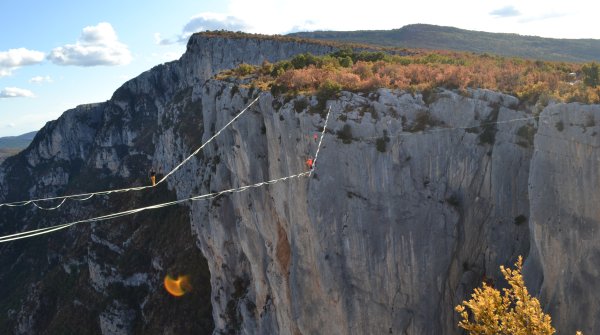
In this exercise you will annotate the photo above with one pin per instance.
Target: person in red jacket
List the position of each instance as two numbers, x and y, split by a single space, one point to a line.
309 163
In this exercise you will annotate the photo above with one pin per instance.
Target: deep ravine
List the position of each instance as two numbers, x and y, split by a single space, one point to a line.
411 204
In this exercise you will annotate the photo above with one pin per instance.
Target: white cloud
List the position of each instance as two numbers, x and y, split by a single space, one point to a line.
214 21
97 45
20 57
15 58
202 22
40 80
15 92
506 11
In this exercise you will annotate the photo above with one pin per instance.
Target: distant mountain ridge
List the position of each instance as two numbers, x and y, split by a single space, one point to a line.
11 145
17 142
449 38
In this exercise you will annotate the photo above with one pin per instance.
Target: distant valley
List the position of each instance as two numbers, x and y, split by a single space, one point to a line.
11 145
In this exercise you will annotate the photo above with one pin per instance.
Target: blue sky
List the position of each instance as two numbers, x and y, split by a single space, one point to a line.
55 55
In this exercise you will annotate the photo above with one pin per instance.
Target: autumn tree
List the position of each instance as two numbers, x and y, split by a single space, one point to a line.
512 312
416 71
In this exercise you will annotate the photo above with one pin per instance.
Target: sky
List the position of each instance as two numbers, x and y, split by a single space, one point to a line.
55 55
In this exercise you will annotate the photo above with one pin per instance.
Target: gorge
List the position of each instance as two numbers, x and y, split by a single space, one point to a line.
414 200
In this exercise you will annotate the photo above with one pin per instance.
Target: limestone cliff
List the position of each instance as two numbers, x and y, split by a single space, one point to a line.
385 237
107 278
415 198
565 215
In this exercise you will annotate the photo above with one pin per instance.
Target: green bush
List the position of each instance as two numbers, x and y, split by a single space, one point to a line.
345 134
327 90
303 60
244 69
590 121
300 105
280 68
346 62
367 56
591 74
422 121
489 126
380 144
519 220
454 201
527 133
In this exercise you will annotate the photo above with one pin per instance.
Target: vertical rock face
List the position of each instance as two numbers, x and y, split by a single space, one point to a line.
410 205
414 200
112 272
208 55
565 215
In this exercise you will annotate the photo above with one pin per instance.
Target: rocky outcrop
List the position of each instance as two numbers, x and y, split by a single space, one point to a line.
416 198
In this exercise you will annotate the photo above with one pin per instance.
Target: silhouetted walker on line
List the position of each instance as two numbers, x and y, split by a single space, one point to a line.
153 176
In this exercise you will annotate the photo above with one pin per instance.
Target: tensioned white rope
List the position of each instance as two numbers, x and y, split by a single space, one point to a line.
403 134
320 141
47 230
49 208
208 141
91 194
41 231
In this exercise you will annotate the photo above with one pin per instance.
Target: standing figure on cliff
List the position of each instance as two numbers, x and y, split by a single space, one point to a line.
153 176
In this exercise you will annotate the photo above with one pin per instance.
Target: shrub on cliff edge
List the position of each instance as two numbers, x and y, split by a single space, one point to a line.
512 312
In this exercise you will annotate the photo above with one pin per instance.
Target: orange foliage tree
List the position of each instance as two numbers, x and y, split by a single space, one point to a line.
512 312
420 70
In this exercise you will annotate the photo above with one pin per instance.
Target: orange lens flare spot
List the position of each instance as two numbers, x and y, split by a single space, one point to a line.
177 287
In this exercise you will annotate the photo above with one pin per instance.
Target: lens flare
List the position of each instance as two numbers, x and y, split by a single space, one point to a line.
177 287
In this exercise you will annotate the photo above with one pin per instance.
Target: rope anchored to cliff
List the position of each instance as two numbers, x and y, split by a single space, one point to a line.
87 196
313 163
208 196
47 230
310 162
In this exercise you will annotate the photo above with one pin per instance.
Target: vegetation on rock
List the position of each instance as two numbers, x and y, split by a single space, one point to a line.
417 71
512 312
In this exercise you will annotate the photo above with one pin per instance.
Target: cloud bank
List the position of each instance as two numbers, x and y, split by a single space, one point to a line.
202 22
97 45
14 92
15 58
